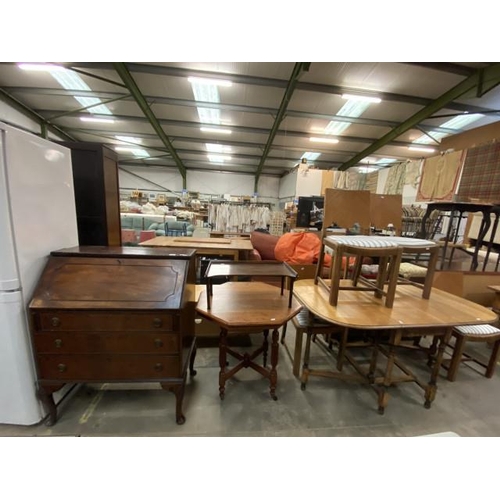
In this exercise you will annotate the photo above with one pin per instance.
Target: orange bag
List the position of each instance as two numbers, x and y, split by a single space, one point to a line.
299 248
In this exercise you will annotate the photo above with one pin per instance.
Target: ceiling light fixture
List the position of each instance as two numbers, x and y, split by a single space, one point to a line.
95 119
210 81
216 130
138 153
218 158
353 97
133 140
40 67
323 139
421 148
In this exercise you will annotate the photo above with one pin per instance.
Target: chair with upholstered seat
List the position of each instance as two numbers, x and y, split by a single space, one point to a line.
305 322
388 252
474 333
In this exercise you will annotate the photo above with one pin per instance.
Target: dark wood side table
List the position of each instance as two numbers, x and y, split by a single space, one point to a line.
244 308
457 209
250 268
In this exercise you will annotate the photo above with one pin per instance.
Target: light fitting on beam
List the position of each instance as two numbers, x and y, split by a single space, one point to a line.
421 148
324 139
216 130
40 67
353 97
95 119
210 81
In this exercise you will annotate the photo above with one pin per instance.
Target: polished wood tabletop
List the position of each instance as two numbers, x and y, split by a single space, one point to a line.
199 243
357 309
247 305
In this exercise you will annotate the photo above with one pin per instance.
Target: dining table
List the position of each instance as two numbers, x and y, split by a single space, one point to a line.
411 316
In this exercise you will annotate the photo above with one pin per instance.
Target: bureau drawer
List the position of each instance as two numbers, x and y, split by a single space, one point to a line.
107 367
111 342
103 321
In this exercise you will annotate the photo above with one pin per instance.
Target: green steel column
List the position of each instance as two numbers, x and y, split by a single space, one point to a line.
297 71
129 82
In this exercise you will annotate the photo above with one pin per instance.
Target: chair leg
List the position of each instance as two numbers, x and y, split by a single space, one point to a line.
341 352
297 353
283 333
493 359
456 358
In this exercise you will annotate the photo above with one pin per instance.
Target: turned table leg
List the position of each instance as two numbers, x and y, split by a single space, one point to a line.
430 390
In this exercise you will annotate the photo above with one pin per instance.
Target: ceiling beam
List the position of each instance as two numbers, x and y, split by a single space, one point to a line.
124 74
446 67
45 124
489 75
298 69
268 82
245 130
170 101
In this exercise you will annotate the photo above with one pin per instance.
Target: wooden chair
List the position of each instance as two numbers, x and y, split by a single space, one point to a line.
473 333
388 252
305 322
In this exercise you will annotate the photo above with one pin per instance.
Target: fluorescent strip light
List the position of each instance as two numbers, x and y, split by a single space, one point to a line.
210 81
217 148
216 130
353 97
421 148
124 138
322 139
138 153
95 119
218 158
40 67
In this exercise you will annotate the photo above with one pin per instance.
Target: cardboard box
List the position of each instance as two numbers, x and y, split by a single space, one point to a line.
471 285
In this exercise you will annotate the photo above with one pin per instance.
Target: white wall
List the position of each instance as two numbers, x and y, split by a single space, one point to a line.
287 186
208 183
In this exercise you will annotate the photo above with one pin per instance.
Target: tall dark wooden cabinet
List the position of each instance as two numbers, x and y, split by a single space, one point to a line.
95 178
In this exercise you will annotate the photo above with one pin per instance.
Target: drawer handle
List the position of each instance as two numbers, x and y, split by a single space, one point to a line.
56 321
157 322
159 367
58 343
158 343
61 367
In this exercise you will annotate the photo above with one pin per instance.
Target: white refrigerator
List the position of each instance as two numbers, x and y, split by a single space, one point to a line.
37 215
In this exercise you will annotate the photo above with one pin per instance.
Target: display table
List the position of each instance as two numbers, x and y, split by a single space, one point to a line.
411 315
457 209
229 247
244 308
114 314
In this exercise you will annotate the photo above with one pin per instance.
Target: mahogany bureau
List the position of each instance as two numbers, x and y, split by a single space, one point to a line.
114 314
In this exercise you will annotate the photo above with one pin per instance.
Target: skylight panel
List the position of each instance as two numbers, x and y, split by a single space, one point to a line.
137 152
218 158
209 115
310 156
125 138
71 81
352 108
217 148
457 123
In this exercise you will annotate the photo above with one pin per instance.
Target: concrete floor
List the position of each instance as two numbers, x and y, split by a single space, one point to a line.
328 407
468 407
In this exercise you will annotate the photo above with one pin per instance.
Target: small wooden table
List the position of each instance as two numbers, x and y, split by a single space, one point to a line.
252 307
251 268
411 315
231 247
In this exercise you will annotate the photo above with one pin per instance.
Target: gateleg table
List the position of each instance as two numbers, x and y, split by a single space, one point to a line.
411 315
